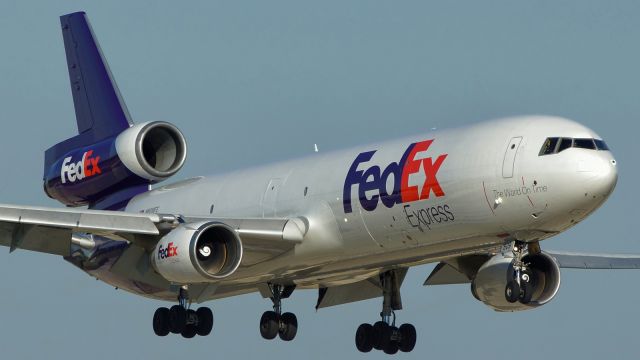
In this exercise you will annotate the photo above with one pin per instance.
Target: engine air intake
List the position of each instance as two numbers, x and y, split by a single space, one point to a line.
217 250
198 252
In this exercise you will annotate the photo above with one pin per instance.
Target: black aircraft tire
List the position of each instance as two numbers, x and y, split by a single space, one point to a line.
205 321
376 336
269 325
189 331
526 293
290 329
391 346
161 321
408 337
385 339
177 319
512 291
364 336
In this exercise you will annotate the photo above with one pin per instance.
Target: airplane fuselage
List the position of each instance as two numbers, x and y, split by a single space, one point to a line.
404 202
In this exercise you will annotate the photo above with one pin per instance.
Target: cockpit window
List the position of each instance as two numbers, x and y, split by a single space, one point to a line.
549 146
565 144
601 145
554 145
584 144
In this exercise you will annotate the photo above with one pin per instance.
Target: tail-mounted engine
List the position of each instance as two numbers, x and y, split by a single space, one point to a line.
154 151
500 284
140 155
198 252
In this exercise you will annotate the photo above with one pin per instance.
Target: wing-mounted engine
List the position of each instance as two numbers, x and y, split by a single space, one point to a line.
143 154
198 252
494 283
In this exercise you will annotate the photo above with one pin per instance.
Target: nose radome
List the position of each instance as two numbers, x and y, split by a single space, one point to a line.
610 176
606 177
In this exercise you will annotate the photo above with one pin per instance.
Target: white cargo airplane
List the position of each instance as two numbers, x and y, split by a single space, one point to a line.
477 200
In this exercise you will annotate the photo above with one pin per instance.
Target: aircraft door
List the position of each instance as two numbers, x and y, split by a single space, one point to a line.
509 160
269 198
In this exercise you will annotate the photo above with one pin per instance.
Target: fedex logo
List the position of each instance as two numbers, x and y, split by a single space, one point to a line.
84 168
170 251
374 179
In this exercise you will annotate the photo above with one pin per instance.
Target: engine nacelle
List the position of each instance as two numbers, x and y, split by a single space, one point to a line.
140 155
491 280
153 150
198 252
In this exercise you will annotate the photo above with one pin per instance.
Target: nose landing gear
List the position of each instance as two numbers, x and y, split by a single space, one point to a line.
180 319
520 287
384 335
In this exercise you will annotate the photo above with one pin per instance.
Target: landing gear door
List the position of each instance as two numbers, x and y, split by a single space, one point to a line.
510 157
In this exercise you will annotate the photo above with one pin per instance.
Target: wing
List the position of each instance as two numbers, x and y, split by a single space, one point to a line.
595 261
462 269
50 230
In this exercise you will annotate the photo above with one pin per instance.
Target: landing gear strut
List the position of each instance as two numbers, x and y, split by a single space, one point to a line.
180 319
520 288
274 323
384 335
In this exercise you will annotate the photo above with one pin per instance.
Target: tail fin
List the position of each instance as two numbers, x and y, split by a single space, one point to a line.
99 107
110 160
100 110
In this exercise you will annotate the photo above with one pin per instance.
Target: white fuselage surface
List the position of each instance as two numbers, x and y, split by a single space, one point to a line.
456 192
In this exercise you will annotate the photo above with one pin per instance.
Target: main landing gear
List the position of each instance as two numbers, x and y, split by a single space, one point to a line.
384 335
520 287
180 319
275 323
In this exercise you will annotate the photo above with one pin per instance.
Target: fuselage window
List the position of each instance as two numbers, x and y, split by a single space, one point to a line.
584 144
565 143
601 145
549 146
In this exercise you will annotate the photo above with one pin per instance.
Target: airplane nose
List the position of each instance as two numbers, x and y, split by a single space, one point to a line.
609 177
604 177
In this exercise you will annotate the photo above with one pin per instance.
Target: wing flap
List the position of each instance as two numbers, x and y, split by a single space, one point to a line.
94 221
29 237
49 230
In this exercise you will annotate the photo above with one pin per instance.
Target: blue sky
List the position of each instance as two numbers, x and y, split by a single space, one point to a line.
254 81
